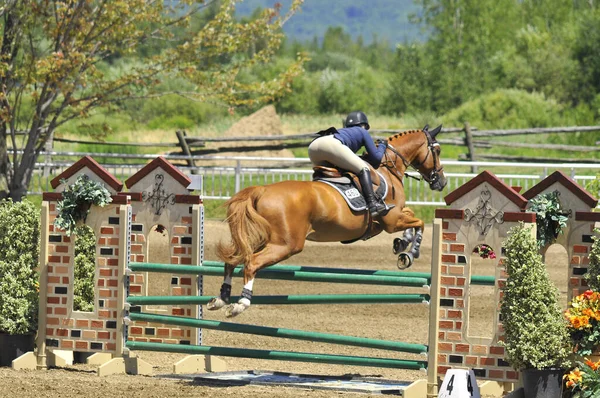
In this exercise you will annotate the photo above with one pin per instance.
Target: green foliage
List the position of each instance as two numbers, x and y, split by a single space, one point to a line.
77 199
592 276
19 251
593 187
549 217
584 380
85 266
536 331
504 109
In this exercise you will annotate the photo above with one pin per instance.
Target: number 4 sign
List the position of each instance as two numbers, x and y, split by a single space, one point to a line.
459 383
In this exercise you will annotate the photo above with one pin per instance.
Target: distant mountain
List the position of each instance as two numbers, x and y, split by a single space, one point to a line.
385 19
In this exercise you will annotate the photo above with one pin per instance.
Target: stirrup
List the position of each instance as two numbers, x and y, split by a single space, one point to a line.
375 212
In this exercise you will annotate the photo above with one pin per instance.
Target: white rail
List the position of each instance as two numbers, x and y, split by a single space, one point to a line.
238 172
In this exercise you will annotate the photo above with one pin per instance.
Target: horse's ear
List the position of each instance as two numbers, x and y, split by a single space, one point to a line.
426 128
435 131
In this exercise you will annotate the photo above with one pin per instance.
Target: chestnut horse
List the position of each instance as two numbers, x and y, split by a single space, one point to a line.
270 223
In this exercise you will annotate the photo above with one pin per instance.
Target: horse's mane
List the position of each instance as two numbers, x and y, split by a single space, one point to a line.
402 134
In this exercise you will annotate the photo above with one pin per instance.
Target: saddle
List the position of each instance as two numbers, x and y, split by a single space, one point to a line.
348 185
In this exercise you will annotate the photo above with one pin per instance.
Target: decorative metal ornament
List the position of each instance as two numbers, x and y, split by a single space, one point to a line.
484 216
158 198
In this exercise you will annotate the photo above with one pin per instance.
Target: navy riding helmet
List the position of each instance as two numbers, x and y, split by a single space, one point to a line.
356 119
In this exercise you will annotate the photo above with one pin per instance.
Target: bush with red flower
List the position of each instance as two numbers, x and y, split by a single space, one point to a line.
485 251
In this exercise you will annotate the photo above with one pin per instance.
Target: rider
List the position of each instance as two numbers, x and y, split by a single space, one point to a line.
339 147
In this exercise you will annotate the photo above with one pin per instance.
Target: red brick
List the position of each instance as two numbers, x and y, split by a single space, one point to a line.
66 344
580 249
487 361
60 311
62 249
186 260
103 335
454 314
497 350
447 347
163 332
107 230
81 345
455 247
451 236
446 325
496 374
470 361
449 258
463 348
82 323
62 332
135 289
105 272
455 292
97 324
53 300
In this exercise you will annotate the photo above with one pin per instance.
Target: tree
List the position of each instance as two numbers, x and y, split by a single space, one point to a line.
51 53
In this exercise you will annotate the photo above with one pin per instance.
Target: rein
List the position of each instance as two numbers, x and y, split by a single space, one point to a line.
393 169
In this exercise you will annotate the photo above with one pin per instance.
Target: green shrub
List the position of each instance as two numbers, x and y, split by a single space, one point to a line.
536 330
592 275
76 201
85 267
550 217
504 109
19 252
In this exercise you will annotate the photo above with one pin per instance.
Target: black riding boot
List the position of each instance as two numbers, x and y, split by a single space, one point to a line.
376 207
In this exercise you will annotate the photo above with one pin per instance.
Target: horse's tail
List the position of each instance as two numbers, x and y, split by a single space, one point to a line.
250 231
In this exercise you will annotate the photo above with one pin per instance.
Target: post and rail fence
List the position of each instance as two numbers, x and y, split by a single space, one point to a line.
224 174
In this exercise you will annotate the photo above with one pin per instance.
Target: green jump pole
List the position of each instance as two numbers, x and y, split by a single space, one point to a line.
284 275
278 355
297 299
329 270
481 280
280 332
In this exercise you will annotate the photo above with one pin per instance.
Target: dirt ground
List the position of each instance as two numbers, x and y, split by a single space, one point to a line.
401 322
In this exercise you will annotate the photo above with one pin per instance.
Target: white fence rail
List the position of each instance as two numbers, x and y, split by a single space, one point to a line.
224 176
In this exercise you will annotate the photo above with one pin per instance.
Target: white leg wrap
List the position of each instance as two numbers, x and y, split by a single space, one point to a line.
244 301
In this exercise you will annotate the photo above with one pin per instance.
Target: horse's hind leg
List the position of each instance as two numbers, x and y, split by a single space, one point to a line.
219 302
271 254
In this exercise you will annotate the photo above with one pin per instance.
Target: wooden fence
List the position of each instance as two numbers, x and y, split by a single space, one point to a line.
472 138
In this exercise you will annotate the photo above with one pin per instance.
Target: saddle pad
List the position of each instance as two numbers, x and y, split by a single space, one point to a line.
352 194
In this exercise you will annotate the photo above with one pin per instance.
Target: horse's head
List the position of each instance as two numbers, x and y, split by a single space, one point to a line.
420 150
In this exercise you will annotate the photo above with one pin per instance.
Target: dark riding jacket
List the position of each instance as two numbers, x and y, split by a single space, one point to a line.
355 138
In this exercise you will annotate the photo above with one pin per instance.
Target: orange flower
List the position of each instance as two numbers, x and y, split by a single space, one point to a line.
593 365
579 322
573 378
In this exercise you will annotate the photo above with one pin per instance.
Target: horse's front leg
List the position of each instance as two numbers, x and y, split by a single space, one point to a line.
219 302
413 236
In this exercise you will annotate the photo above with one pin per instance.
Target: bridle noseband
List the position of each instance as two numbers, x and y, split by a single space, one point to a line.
433 176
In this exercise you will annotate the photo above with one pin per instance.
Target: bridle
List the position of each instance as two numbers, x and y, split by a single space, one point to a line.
433 176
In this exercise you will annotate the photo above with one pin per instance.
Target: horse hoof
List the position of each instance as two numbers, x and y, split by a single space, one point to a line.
399 245
234 310
405 260
216 303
